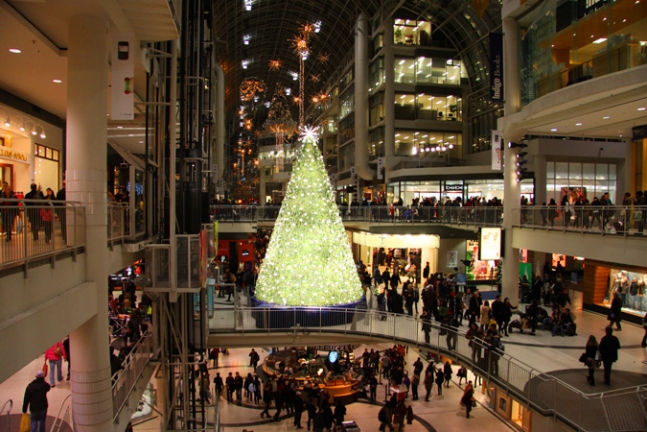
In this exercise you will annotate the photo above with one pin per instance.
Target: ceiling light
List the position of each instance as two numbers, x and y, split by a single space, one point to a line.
120 127
641 109
57 81
141 142
33 132
553 130
14 50
131 135
599 41
578 124
606 117
7 122
22 127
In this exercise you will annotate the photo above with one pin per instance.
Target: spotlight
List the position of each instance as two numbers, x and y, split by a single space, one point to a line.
516 145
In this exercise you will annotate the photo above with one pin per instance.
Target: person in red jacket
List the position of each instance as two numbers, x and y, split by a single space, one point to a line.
55 355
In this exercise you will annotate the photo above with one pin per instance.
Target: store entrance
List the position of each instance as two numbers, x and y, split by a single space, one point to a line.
6 174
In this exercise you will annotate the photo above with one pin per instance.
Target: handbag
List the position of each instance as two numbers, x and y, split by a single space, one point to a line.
583 358
25 423
58 351
45 369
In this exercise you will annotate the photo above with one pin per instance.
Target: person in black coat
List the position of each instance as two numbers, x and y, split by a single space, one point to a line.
340 413
61 211
34 213
616 311
498 312
609 346
297 402
36 400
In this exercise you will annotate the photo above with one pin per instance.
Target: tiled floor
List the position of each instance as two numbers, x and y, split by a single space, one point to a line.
542 352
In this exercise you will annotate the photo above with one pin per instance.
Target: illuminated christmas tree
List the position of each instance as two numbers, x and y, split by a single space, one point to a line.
309 260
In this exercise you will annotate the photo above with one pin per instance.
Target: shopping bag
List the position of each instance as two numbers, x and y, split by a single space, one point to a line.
25 424
45 369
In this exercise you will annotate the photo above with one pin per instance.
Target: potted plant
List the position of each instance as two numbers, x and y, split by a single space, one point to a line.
397 36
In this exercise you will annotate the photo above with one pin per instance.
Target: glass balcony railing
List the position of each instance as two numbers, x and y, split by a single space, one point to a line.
571 42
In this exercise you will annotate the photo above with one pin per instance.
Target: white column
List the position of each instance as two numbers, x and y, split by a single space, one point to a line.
511 193
86 181
361 99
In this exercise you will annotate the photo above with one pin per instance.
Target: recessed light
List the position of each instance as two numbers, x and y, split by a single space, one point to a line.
606 117
120 127
553 130
141 142
641 109
14 50
578 124
131 135
57 81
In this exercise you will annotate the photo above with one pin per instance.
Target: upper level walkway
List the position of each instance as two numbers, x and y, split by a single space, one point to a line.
541 371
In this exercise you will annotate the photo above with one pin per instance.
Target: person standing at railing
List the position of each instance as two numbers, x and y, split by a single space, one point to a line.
609 346
33 213
46 214
9 209
475 335
566 210
61 212
36 400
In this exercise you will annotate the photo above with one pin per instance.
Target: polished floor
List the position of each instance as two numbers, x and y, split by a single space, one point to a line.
543 352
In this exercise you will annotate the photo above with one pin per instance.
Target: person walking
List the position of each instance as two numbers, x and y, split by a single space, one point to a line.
429 383
415 382
590 353
238 384
36 400
267 399
55 355
217 381
298 410
467 400
253 359
609 346
615 312
447 370
440 379
644 341
385 416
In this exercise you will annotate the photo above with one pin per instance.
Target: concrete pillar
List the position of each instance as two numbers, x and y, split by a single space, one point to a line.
539 163
361 98
87 75
389 99
511 193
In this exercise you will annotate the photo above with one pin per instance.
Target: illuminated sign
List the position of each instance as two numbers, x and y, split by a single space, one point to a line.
11 154
490 240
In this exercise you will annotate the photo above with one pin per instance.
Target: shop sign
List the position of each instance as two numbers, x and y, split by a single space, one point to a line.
454 188
496 67
11 154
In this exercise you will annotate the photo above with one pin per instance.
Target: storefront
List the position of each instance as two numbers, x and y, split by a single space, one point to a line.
505 405
603 280
30 151
482 189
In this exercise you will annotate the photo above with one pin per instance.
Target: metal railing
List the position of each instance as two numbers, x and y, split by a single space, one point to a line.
9 402
63 420
133 365
118 228
621 410
600 220
471 215
33 229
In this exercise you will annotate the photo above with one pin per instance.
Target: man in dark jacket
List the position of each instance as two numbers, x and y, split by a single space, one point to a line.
34 213
36 400
609 346
231 387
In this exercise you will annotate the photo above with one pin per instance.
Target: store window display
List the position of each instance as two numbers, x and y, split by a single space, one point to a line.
631 287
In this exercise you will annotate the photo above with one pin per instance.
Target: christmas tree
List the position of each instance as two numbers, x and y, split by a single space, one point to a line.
309 260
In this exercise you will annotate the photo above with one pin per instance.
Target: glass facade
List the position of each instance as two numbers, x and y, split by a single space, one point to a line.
347 103
584 179
411 32
570 42
346 157
376 74
376 143
481 189
428 107
421 144
376 109
427 70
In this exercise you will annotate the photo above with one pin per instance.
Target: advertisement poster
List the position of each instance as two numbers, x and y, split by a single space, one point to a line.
490 243
452 259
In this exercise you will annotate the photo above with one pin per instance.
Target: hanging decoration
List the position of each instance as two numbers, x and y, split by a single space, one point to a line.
275 64
301 49
480 6
279 121
251 88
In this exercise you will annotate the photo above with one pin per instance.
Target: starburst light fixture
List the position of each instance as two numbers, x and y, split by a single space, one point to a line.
275 64
309 261
323 58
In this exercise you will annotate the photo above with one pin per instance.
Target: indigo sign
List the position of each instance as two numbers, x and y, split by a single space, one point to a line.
496 67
